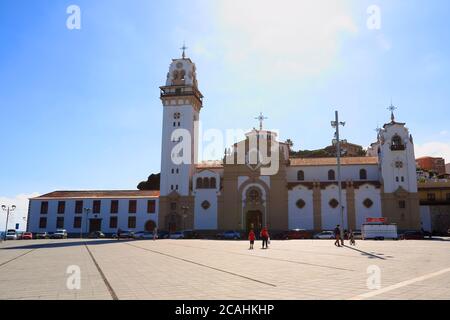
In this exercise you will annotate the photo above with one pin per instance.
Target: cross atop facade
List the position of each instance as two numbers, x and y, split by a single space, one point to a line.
261 119
392 108
184 50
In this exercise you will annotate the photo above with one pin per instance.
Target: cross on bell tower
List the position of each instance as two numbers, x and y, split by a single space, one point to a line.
184 48
261 119
392 108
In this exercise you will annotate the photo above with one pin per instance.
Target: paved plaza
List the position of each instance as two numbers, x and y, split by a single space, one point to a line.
203 269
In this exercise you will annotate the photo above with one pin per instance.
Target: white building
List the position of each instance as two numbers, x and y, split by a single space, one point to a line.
220 195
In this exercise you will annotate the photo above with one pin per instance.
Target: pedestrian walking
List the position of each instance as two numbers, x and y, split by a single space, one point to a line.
155 233
251 238
337 235
265 238
351 237
119 231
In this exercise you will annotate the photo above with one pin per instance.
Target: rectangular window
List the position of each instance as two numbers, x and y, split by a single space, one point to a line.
60 223
113 222
132 206
96 207
43 223
151 206
44 207
79 207
61 207
173 206
77 223
402 204
431 197
131 222
115 206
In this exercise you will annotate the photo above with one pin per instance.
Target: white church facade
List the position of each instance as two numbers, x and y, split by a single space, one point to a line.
233 195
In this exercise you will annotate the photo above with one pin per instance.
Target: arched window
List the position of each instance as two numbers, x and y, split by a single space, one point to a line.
199 183
331 175
363 174
212 183
206 183
301 175
397 143
254 195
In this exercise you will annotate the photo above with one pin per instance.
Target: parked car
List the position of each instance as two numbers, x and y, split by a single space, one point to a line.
176 235
143 235
96 235
11 235
124 235
59 234
357 235
412 235
324 235
27 236
163 235
42 235
19 235
295 234
191 234
229 235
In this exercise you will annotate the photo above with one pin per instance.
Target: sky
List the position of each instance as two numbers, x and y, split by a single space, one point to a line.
80 108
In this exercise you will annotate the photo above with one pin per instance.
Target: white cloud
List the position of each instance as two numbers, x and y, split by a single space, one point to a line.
434 149
21 211
283 38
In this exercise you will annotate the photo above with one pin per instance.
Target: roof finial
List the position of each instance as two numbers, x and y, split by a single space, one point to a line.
261 119
184 50
392 108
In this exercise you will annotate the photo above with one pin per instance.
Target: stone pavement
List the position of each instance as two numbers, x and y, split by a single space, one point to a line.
203 269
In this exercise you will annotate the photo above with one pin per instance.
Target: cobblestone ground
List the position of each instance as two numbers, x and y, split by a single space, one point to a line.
202 269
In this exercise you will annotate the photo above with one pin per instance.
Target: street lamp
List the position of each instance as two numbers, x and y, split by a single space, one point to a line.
87 211
336 124
8 210
185 209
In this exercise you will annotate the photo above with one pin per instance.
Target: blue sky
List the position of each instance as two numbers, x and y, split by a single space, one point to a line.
80 109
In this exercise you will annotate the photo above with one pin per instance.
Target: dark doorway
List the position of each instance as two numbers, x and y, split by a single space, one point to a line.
254 220
95 225
150 225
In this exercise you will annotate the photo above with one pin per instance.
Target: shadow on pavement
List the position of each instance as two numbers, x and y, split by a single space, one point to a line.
65 244
364 253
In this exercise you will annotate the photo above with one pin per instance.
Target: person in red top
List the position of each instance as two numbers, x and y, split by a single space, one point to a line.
265 238
251 237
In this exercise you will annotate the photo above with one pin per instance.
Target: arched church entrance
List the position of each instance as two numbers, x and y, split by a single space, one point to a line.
173 222
150 226
254 220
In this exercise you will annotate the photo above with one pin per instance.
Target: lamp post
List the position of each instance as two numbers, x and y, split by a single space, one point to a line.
8 210
87 211
185 209
336 124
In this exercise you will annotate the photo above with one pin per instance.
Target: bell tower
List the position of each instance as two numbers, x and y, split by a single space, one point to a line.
182 102
400 199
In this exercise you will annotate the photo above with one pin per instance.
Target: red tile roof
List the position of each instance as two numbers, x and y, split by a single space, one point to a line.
333 162
109 194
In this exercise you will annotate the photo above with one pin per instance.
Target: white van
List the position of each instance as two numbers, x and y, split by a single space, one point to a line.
379 231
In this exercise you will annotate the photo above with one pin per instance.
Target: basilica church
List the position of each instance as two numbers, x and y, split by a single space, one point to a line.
229 194
303 193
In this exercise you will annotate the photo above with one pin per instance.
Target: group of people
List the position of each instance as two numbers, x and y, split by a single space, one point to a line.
340 240
265 237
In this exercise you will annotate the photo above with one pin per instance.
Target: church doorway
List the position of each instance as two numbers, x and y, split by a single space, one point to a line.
254 220
173 222
150 225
